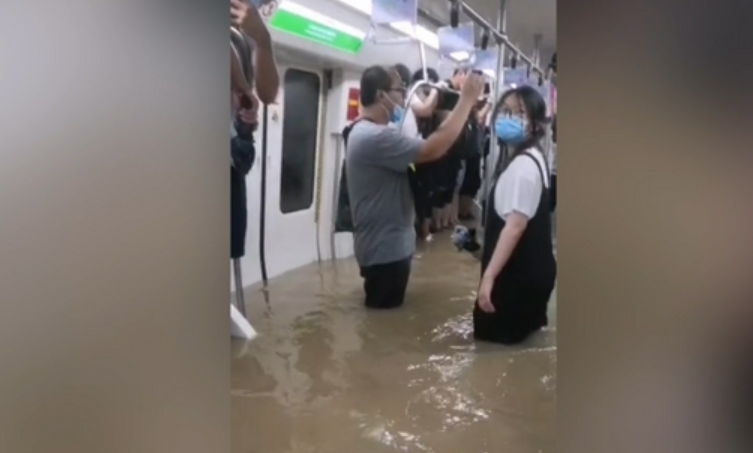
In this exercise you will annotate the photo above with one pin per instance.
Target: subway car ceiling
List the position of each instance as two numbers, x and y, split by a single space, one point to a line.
350 20
525 19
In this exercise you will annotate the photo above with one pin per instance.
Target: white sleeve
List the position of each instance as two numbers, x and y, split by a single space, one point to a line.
518 189
410 125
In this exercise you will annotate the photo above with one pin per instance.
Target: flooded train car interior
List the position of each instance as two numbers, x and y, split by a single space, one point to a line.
313 370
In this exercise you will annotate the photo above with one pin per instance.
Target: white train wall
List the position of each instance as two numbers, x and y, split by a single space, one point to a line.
307 143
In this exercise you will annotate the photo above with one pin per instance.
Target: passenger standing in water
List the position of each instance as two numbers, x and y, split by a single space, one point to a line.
518 264
252 68
472 175
410 129
378 157
423 106
454 166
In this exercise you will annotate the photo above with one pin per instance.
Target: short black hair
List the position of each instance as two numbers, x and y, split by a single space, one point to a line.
431 72
403 72
373 80
461 69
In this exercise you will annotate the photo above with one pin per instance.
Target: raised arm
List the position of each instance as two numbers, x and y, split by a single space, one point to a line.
438 143
266 78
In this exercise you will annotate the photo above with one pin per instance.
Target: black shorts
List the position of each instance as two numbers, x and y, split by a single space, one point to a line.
442 198
446 182
421 195
472 179
238 214
385 284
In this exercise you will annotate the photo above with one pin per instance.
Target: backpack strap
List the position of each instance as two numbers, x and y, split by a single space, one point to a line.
347 129
544 172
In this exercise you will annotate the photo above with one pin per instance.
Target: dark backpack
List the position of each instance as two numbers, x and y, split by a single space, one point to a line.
344 218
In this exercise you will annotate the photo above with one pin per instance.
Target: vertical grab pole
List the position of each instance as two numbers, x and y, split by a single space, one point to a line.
263 197
494 149
335 194
422 54
240 301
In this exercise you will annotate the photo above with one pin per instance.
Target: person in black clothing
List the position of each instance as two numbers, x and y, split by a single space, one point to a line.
518 264
455 164
253 73
423 106
472 175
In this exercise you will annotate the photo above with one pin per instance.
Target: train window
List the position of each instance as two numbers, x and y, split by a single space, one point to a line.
300 123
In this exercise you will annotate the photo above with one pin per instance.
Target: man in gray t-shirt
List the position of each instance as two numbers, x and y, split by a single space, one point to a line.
380 194
378 158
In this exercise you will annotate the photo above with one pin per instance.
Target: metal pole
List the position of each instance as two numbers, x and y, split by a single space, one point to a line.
240 302
409 98
494 149
537 37
336 193
422 54
501 36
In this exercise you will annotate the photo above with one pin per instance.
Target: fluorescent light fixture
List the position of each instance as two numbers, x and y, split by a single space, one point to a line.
426 36
461 56
310 14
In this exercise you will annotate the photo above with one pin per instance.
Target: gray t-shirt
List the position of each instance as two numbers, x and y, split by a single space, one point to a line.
381 201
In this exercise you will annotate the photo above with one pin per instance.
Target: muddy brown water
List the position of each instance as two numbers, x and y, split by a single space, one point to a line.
327 376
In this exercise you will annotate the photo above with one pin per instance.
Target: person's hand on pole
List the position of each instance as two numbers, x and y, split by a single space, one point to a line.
246 17
473 88
249 113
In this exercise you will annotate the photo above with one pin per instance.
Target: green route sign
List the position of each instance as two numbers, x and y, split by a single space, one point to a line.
303 27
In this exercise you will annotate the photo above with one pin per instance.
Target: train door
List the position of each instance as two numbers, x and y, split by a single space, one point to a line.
294 138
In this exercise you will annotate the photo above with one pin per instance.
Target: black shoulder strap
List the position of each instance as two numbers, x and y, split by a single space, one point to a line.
346 131
543 174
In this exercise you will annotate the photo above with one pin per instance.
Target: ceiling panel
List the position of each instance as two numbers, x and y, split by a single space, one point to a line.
525 18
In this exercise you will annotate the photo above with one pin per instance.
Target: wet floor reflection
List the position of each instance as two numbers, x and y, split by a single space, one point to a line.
326 376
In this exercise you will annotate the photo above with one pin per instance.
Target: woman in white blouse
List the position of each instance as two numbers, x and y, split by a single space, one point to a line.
518 264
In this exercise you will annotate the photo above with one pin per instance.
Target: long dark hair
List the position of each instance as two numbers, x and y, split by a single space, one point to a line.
535 108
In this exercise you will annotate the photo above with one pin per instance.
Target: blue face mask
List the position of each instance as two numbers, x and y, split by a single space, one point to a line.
397 115
510 130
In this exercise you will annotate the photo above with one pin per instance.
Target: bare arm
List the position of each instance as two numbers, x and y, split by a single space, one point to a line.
438 143
265 69
515 225
238 80
266 79
482 113
424 108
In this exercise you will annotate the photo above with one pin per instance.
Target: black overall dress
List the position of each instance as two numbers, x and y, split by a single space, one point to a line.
522 289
